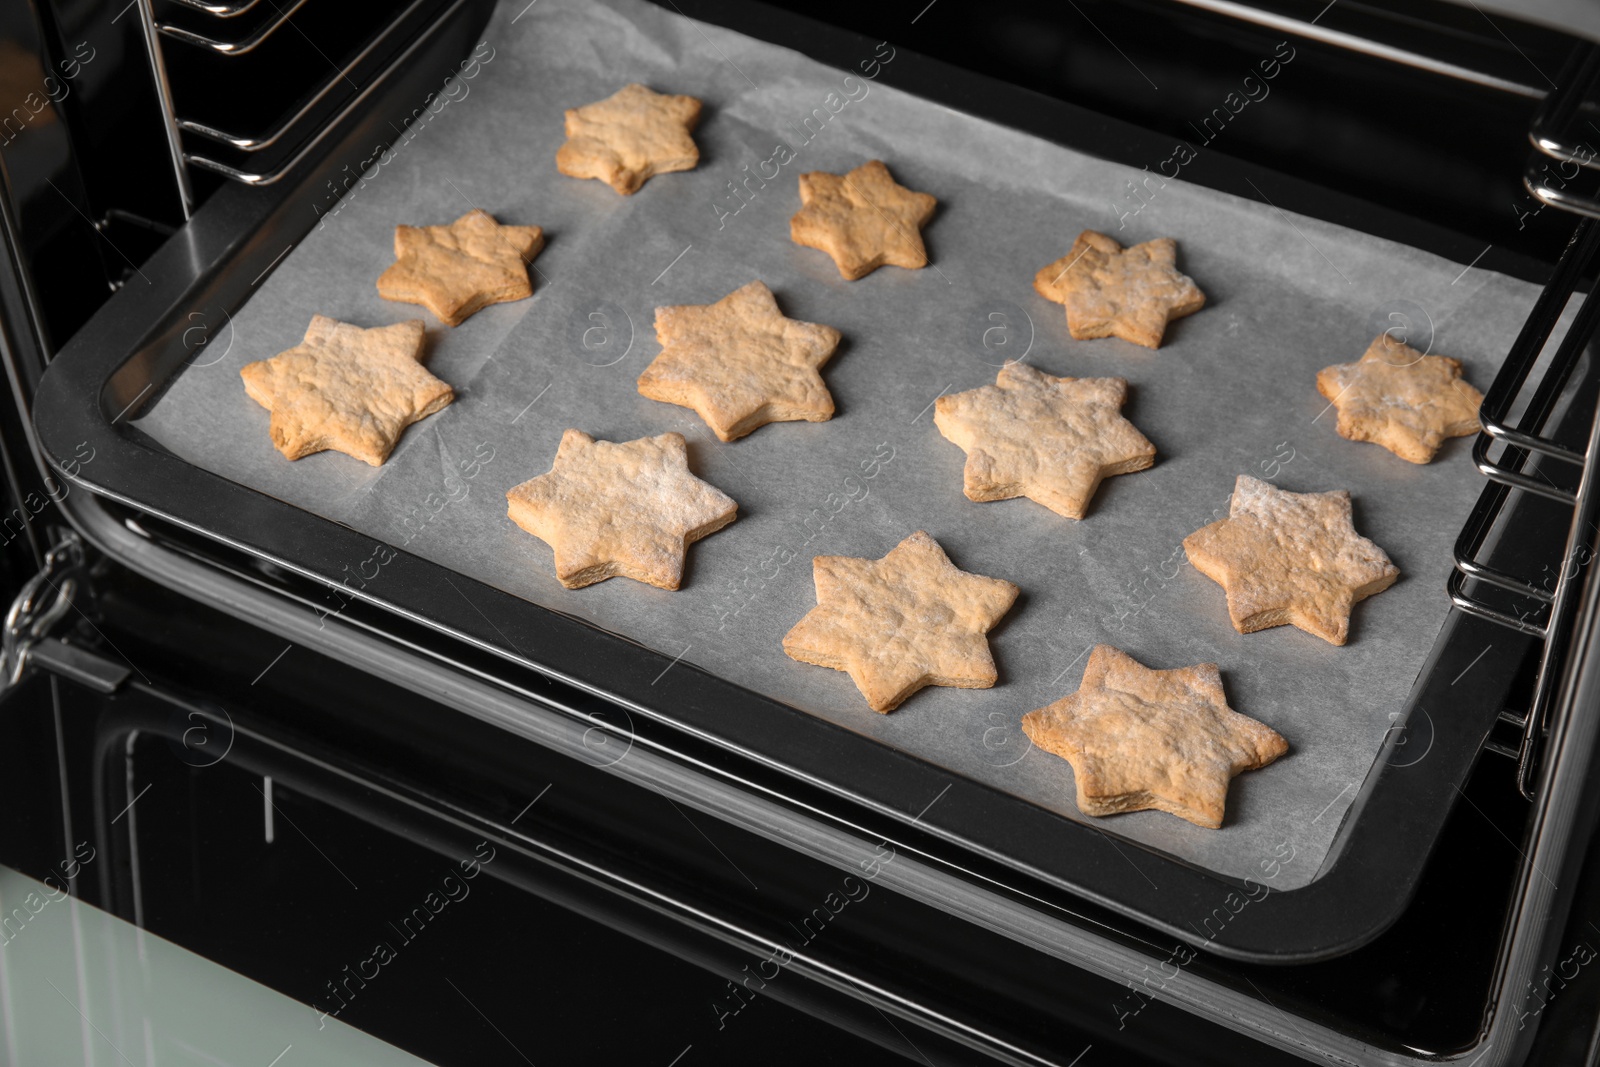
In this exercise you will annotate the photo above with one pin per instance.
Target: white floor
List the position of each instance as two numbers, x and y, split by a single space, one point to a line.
80 986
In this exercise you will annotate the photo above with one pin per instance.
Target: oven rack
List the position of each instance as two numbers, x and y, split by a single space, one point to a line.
327 91
1566 132
330 105
247 43
1528 460
222 9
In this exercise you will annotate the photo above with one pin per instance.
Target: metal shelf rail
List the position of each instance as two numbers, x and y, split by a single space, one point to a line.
308 122
1564 133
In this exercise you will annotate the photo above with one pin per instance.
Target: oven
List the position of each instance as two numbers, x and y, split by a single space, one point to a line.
335 733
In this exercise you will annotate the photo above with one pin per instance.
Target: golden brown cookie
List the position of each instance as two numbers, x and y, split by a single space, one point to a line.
629 508
1290 558
901 622
345 388
629 137
1046 438
458 269
740 364
1111 291
1139 739
863 219
1397 397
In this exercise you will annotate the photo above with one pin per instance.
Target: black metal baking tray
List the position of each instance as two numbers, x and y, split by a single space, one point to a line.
145 334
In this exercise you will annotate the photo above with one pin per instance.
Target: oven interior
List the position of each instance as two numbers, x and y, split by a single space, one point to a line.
426 787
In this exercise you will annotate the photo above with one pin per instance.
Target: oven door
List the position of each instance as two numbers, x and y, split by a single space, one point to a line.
470 895
462 894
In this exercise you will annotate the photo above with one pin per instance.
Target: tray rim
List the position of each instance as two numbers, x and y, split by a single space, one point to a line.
97 370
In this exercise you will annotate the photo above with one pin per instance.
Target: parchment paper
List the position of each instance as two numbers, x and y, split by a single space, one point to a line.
1232 391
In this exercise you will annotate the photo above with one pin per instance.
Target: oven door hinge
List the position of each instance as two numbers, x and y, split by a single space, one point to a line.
45 600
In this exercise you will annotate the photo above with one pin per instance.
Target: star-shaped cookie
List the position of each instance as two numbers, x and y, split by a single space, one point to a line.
1111 291
1046 438
629 137
461 268
1139 738
740 364
1290 558
629 508
345 388
1397 397
901 622
863 219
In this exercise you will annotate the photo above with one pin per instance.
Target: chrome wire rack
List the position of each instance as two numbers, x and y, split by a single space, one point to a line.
263 156
1517 450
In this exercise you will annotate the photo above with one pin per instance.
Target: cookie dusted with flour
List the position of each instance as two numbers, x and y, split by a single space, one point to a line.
1111 291
1397 397
1049 439
899 623
629 137
1290 558
629 508
1139 739
347 389
863 219
740 364
461 268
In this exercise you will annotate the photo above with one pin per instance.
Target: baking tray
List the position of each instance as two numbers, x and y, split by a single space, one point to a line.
1371 861
1286 298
